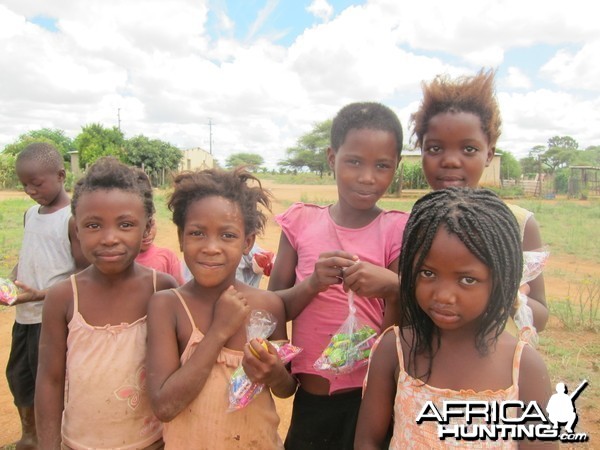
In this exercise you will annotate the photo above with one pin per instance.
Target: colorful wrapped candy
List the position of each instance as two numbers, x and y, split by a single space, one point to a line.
350 347
242 391
8 291
533 265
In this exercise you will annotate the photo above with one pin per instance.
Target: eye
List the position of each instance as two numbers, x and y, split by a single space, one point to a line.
92 226
353 162
471 149
229 236
383 166
126 225
196 233
433 149
468 281
426 273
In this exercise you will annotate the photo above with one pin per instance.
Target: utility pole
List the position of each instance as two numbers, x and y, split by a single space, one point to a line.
119 118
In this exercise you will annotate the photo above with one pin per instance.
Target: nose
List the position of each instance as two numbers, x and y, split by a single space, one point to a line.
211 246
109 237
366 175
30 190
451 158
444 294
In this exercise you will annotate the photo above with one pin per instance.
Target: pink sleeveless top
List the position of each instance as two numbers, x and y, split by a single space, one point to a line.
412 394
106 404
205 422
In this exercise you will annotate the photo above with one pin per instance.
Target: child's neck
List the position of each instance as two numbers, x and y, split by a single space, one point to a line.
348 217
211 294
62 200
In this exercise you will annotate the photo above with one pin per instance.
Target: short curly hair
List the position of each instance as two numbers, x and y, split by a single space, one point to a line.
43 153
470 94
191 186
365 115
109 173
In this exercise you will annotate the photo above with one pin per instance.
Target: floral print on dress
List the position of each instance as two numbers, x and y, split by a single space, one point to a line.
133 392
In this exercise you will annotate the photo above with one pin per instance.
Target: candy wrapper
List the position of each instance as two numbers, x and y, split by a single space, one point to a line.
262 263
8 291
241 390
533 265
350 347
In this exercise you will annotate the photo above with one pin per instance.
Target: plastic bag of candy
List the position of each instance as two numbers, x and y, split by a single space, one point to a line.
350 347
242 391
533 265
8 291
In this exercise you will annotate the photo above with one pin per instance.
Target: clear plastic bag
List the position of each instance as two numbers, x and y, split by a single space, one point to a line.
350 347
8 291
533 265
242 391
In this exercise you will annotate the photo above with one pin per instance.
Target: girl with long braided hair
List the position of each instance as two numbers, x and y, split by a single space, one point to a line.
460 265
456 127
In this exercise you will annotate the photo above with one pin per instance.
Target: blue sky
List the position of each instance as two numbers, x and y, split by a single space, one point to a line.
265 71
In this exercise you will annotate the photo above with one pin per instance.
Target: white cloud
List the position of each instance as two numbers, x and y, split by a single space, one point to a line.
156 62
516 79
320 9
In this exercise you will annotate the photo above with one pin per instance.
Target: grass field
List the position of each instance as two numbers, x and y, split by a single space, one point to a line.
570 345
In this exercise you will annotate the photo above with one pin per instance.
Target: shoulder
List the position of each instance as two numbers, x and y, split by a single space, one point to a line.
394 219
300 209
59 299
261 299
534 381
165 281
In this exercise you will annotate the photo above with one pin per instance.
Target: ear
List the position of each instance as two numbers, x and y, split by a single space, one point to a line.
62 175
490 156
180 237
331 159
148 226
249 243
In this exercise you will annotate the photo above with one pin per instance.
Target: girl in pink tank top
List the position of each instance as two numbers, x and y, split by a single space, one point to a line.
460 268
91 386
197 333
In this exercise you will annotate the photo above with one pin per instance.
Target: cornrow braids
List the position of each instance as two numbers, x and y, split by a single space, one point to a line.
234 185
109 173
487 227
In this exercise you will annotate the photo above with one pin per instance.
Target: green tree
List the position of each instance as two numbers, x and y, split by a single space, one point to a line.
510 169
310 151
56 137
251 160
561 151
153 155
95 141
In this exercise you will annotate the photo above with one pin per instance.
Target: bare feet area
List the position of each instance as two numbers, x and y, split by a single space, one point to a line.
561 272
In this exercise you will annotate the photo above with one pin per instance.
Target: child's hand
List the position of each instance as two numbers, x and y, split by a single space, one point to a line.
371 281
231 311
28 294
266 368
330 268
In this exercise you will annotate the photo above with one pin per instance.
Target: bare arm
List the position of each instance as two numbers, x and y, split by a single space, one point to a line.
297 296
377 406
534 386
50 382
532 240
172 386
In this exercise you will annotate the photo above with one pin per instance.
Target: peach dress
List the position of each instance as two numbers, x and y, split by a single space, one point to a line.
412 394
205 422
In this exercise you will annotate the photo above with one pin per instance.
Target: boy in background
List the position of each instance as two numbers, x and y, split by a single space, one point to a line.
49 253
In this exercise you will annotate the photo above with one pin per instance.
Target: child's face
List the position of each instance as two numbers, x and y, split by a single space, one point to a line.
453 286
364 166
213 240
41 184
110 225
455 150
148 239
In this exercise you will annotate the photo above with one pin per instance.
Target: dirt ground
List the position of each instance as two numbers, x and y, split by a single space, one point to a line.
568 268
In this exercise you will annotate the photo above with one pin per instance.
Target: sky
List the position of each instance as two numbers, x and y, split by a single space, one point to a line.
235 76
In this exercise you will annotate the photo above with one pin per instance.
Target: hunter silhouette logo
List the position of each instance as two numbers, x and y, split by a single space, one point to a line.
561 406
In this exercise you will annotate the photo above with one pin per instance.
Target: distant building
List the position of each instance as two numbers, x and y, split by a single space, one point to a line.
490 176
196 159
